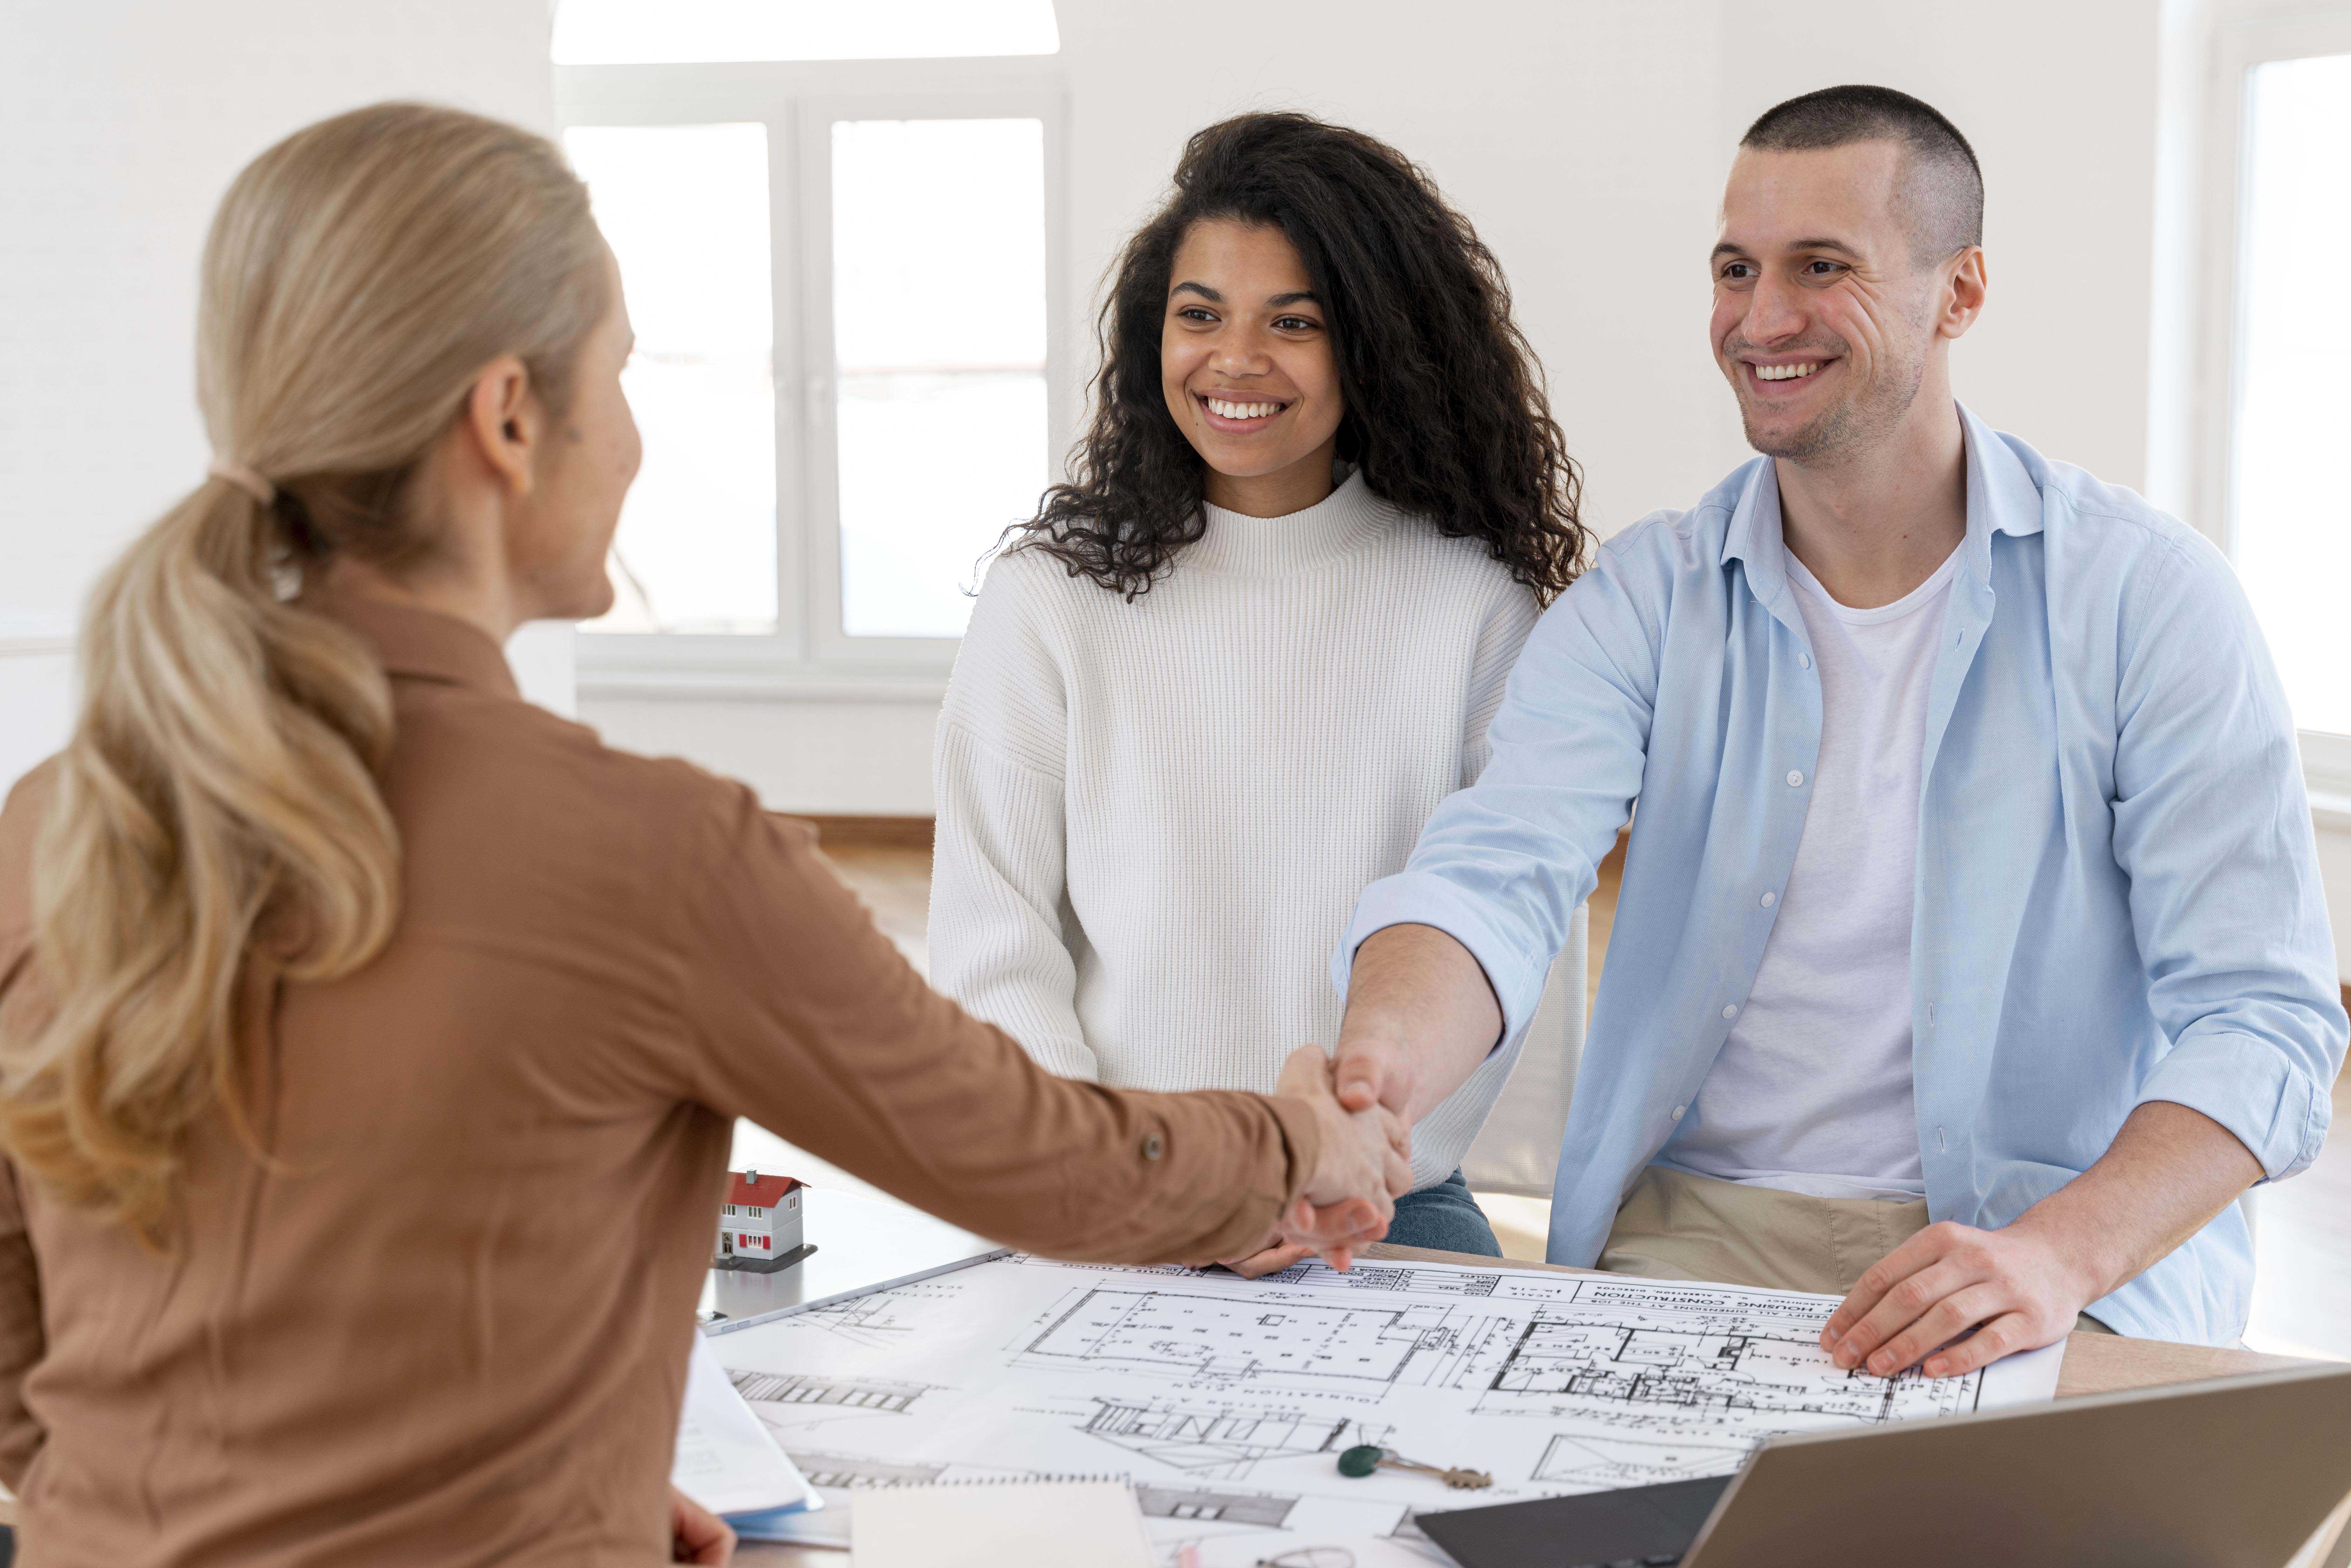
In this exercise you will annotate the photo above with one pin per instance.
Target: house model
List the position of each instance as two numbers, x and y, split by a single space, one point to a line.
760 1222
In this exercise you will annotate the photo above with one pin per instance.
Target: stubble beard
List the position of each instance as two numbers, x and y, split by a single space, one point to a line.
1864 417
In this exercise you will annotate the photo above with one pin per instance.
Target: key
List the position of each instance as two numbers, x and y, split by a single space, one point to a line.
1361 1461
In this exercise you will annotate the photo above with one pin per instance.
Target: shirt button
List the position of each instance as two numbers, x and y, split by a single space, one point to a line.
1677 1111
1153 1148
1731 1012
1795 779
1804 661
1770 899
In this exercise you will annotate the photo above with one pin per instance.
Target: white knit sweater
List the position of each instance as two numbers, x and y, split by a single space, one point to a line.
1155 818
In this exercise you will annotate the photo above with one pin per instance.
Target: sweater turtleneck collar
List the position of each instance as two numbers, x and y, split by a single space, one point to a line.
1270 547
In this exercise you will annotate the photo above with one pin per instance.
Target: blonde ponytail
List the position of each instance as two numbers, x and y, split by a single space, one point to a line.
216 824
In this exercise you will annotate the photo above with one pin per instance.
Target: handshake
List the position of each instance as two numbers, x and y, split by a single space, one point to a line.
1365 1164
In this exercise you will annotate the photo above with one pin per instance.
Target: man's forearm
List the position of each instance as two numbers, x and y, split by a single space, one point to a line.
1421 1016
2167 1173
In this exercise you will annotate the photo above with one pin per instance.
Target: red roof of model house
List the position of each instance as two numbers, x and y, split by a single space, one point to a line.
758 1191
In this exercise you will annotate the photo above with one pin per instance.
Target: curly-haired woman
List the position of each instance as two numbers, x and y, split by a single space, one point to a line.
1214 687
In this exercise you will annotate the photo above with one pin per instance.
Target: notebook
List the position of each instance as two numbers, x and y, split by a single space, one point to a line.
726 1458
1036 1524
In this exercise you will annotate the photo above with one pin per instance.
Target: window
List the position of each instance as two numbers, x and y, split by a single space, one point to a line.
844 277
647 32
686 208
939 344
2290 525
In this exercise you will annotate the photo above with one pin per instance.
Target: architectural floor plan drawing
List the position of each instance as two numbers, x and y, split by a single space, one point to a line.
1215 1342
1591 1461
855 1393
1224 1443
1225 1402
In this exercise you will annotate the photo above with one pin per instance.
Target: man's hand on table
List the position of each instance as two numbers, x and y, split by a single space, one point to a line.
2169 1171
2018 1288
1364 1165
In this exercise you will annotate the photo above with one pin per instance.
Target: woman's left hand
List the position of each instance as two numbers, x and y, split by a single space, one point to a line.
696 1534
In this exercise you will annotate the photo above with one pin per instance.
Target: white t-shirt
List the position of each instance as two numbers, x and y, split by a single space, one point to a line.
1812 1091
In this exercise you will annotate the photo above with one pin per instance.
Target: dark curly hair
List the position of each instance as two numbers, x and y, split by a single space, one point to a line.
1445 413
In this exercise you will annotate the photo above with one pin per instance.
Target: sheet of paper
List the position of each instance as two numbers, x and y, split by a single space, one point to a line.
1065 1525
2028 1377
1225 1402
727 1459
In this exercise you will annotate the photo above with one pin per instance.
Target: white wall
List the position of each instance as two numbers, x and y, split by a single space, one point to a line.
124 121
2059 102
1588 140
1578 136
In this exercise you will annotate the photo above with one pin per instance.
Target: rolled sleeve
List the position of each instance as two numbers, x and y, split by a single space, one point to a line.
2277 1111
2226 903
1424 898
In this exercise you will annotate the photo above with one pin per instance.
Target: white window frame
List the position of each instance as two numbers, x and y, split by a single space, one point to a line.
808 657
2236 44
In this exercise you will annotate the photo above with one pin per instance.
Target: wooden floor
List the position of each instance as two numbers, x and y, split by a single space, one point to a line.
2302 1303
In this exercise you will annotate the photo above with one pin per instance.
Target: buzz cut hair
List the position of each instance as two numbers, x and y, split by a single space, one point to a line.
1941 189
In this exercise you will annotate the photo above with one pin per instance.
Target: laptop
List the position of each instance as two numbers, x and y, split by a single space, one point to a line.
2235 1473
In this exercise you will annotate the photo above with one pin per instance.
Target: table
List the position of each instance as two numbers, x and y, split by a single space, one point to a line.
2095 1363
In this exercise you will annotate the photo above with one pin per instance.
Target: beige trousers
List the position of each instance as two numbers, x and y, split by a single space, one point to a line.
1676 1226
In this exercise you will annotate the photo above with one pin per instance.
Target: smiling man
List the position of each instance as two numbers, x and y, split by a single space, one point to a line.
1970 960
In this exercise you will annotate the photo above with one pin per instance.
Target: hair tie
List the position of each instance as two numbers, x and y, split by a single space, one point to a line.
244 478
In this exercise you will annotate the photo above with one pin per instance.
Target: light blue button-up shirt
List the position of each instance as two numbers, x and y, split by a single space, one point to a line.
2117 888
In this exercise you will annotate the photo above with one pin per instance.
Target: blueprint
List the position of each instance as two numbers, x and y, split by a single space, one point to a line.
1225 1402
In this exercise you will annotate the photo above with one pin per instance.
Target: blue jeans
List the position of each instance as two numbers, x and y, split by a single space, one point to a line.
1444 1217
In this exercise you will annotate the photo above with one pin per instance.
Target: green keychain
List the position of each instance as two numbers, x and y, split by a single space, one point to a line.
1363 1460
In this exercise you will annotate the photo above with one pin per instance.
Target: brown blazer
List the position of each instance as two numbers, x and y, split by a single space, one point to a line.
446 1322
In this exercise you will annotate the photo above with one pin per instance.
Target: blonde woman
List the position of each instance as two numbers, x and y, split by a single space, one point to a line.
370 1040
